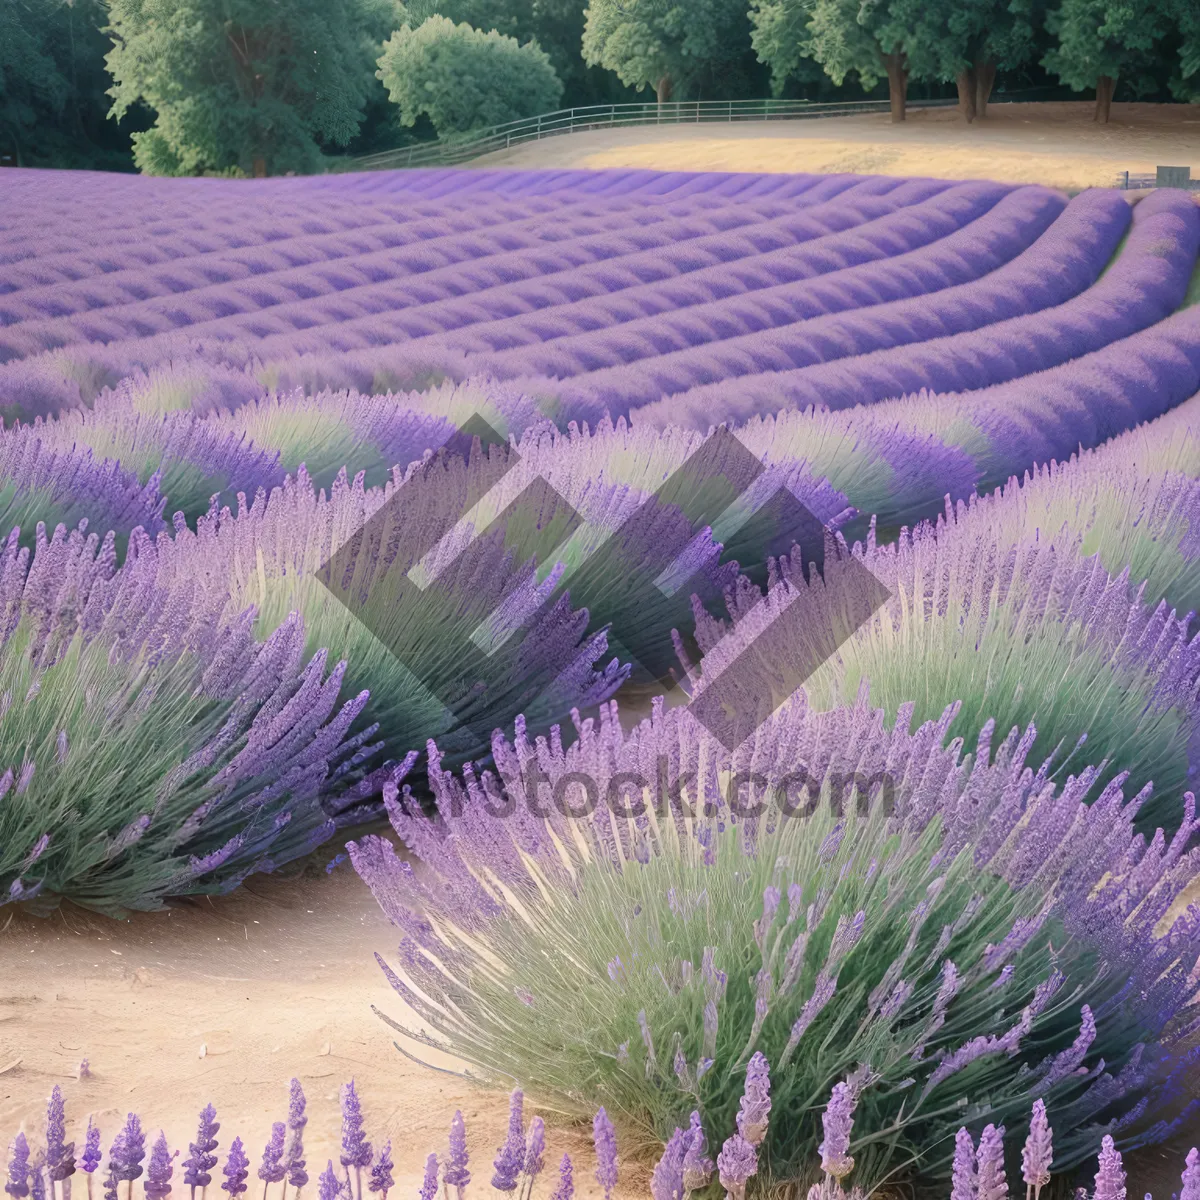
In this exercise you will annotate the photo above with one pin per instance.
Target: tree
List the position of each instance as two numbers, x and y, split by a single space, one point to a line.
463 78
966 42
258 86
1101 41
31 84
780 37
663 44
556 26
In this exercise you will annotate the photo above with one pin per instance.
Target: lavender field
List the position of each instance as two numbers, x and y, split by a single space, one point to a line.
741 629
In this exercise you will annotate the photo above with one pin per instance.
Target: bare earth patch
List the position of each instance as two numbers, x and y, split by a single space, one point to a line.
1056 144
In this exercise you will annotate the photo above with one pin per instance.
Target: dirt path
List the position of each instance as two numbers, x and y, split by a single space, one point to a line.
274 981
1056 144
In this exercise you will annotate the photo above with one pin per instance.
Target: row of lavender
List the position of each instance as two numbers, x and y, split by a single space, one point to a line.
684 1168
236 622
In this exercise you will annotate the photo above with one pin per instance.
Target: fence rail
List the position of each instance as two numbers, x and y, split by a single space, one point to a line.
449 152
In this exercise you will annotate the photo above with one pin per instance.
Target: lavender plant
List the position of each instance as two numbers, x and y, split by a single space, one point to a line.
197 1168
1001 616
961 925
208 755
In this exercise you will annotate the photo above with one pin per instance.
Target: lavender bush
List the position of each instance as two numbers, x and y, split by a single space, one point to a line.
974 930
180 753
996 611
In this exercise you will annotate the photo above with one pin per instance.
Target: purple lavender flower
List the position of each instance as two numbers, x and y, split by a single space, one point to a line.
159 1170
965 1178
272 1169
381 1172
456 1174
293 1149
197 1168
511 1156
697 1166
737 1161
993 1184
566 1181
535 1150
84 1070
429 1186
18 1168
1110 1178
1191 1177
235 1170
837 1122
90 1159
132 1142
37 1178
604 1136
1039 1150
666 1183
755 1107
60 1154
356 1150
329 1187
110 1181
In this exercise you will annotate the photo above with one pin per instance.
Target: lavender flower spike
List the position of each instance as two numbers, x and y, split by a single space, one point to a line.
605 1138
381 1172
356 1150
1110 1179
18 1168
697 1166
272 1169
235 1170
566 1180
737 1161
429 1185
293 1149
159 1170
965 1178
90 1158
535 1150
756 1101
993 1183
60 1154
1038 1152
197 1168
1191 1176
328 1186
511 1156
456 1174
837 1121
132 1143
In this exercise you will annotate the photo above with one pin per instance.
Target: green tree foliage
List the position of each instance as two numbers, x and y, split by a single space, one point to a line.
259 86
1101 41
463 78
52 85
31 83
967 41
664 44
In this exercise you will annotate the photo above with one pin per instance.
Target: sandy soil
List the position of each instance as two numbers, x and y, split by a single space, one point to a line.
1055 144
225 1001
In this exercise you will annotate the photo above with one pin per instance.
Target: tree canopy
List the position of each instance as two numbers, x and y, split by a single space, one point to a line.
260 86
464 79
663 43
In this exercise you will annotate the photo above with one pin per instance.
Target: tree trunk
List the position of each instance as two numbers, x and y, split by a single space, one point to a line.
966 93
985 78
260 167
1104 95
663 89
897 72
